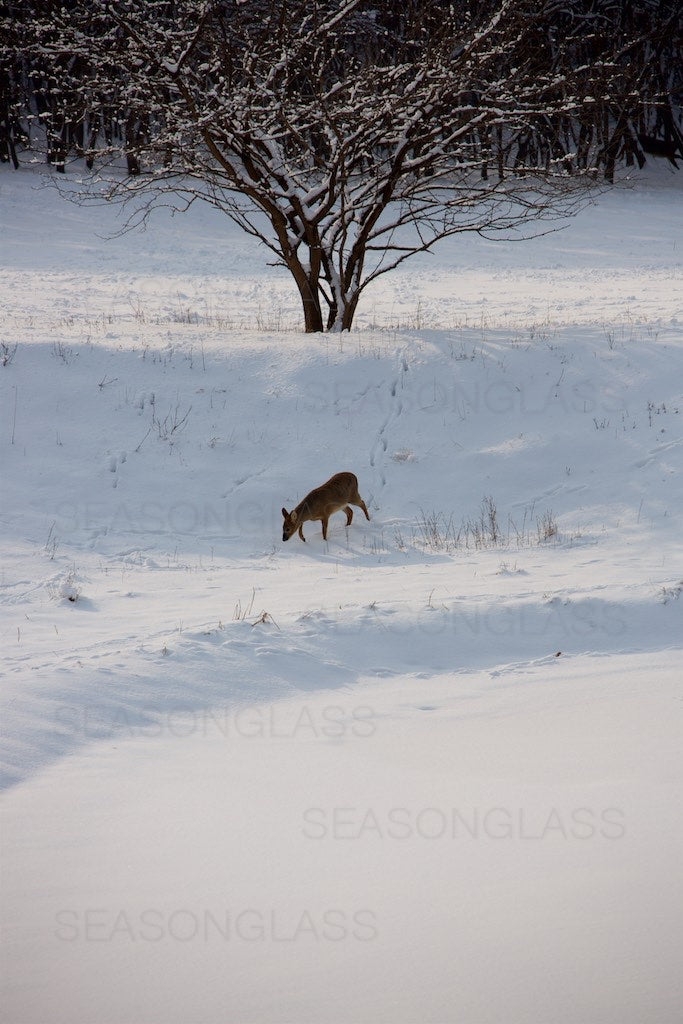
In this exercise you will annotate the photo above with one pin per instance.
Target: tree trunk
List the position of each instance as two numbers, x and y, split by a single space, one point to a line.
307 284
342 309
348 312
313 318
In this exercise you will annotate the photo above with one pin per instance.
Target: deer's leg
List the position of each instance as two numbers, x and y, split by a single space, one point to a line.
349 514
325 528
301 533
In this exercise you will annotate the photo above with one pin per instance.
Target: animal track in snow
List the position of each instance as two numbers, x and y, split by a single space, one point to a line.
381 443
656 452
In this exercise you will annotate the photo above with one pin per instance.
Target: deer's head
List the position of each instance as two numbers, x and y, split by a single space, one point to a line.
291 523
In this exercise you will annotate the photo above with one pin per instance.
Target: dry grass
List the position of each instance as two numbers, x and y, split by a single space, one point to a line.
439 532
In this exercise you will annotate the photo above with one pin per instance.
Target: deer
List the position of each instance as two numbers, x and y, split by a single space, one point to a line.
339 492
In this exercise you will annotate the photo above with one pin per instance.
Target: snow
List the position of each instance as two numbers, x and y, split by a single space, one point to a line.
407 775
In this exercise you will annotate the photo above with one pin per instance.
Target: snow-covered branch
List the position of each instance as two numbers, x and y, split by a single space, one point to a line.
345 136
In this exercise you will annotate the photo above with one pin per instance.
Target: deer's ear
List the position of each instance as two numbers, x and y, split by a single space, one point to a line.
285 512
293 515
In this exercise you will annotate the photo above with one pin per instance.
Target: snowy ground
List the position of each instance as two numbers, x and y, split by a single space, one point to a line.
422 772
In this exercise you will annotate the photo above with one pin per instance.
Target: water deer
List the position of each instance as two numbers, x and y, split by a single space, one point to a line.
339 492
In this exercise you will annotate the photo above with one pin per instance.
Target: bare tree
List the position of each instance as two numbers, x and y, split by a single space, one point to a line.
344 159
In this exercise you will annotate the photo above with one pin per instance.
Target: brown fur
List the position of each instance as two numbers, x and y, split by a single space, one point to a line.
339 492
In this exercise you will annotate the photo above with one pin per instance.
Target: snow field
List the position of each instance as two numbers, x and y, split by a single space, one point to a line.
424 772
